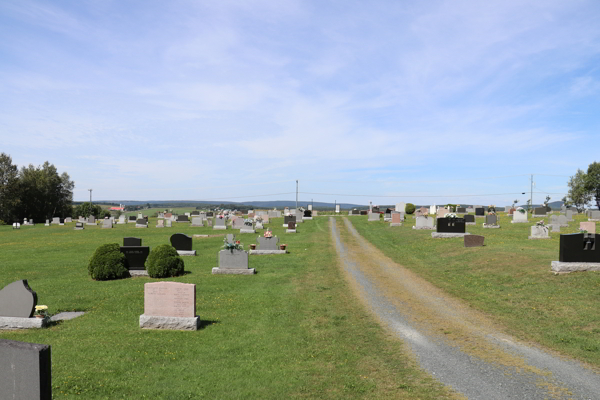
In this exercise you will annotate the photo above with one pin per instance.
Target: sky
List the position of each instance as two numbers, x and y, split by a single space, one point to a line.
382 101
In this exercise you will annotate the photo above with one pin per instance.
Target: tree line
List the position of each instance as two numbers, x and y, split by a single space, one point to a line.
583 187
37 193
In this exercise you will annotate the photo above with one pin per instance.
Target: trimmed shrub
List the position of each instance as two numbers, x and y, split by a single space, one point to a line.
163 262
107 263
410 208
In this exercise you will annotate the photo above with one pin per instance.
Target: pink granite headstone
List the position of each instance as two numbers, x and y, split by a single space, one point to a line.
170 299
396 218
441 212
590 227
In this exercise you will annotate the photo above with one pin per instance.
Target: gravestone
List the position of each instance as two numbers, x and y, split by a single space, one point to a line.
17 300
401 207
451 225
195 213
183 244
169 305
140 216
47 223
91 220
519 217
559 220
579 248
569 215
81 219
107 223
131 218
79 226
287 219
161 215
274 214
268 243
299 216
68 220
461 210
183 218
469 219
555 227
169 223
310 207
25 371
424 222
141 223
291 228
479 212
135 253
387 217
187 214
237 223
491 221
307 214
441 212
355 212
539 232
590 227
160 223
121 219
337 209
197 221
210 214
373 217
16 225
396 219
168 215
233 262
220 223
55 220
376 209
539 212
364 212
433 210
474 240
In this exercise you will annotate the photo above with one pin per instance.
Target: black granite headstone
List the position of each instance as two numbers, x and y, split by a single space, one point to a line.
17 300
308 213
479 211
136 256
183 218
355 212
181 242
364 212
539 211
132 241
469 218
579 247
209 214
289 218
461 210
450 225
132 218
292 225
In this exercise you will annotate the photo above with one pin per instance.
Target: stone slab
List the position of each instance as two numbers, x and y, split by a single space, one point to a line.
539 237
518 222
430 228
170 323
396 224
247 231
290 231
470 223
440 235
67 315
474 240
560 267
491 226
186 252
261 252
229 271
25 370
22 323
219 227
138 272
170 299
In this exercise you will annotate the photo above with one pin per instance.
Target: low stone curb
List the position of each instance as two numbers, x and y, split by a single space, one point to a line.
491 226
539 237
186 252
395 224
171 323
22 323
138 272
230 271
444 235
430 228
559 267
262 252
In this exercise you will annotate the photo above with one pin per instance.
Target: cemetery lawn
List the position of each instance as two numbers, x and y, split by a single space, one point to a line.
509 279
294 330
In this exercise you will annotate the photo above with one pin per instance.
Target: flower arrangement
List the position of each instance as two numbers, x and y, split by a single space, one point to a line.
42 311
258 219
540 223
268 234
248 221
491 213
232 246
220 216
522 210
582 231
450 215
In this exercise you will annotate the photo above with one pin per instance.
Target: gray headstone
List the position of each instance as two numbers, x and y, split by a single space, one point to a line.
25 370
271 243
233 259
17 300
169 223
230 238
473 240
424 221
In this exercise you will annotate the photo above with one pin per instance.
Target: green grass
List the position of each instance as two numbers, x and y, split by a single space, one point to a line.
292 330
509 278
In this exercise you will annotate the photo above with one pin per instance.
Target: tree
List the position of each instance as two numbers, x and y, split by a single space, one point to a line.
592 182
86 209
44 193
9 189
578 194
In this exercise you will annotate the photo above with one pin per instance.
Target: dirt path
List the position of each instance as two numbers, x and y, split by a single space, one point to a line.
459 346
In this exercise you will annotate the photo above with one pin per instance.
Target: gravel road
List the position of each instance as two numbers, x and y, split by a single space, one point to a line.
460 347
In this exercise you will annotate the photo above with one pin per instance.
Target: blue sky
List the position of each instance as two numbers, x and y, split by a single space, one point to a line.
382 101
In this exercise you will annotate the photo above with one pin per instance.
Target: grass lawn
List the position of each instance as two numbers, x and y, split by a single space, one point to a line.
293 330
509 278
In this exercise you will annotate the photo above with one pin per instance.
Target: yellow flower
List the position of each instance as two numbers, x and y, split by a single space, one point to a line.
39 308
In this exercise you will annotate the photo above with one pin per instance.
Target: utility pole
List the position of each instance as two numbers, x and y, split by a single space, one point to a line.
296 194
90 190
531 195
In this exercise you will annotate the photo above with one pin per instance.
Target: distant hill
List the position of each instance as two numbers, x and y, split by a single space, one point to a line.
280 204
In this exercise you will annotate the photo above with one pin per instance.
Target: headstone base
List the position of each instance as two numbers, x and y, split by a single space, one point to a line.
431 228
395 223
518 222
439 235
247 231
231 271
160 226
49 224
470 223
387 220
22 323
307 218
491 226
78 228
121 223
539 216
141 226
261 252
539 237
89 223
559 267
479 216
186 252
593 220
290 231
138 272
285 225
216 227
171 323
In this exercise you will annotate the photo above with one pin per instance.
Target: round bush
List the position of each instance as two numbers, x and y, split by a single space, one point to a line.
107 263
410 208
163 262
